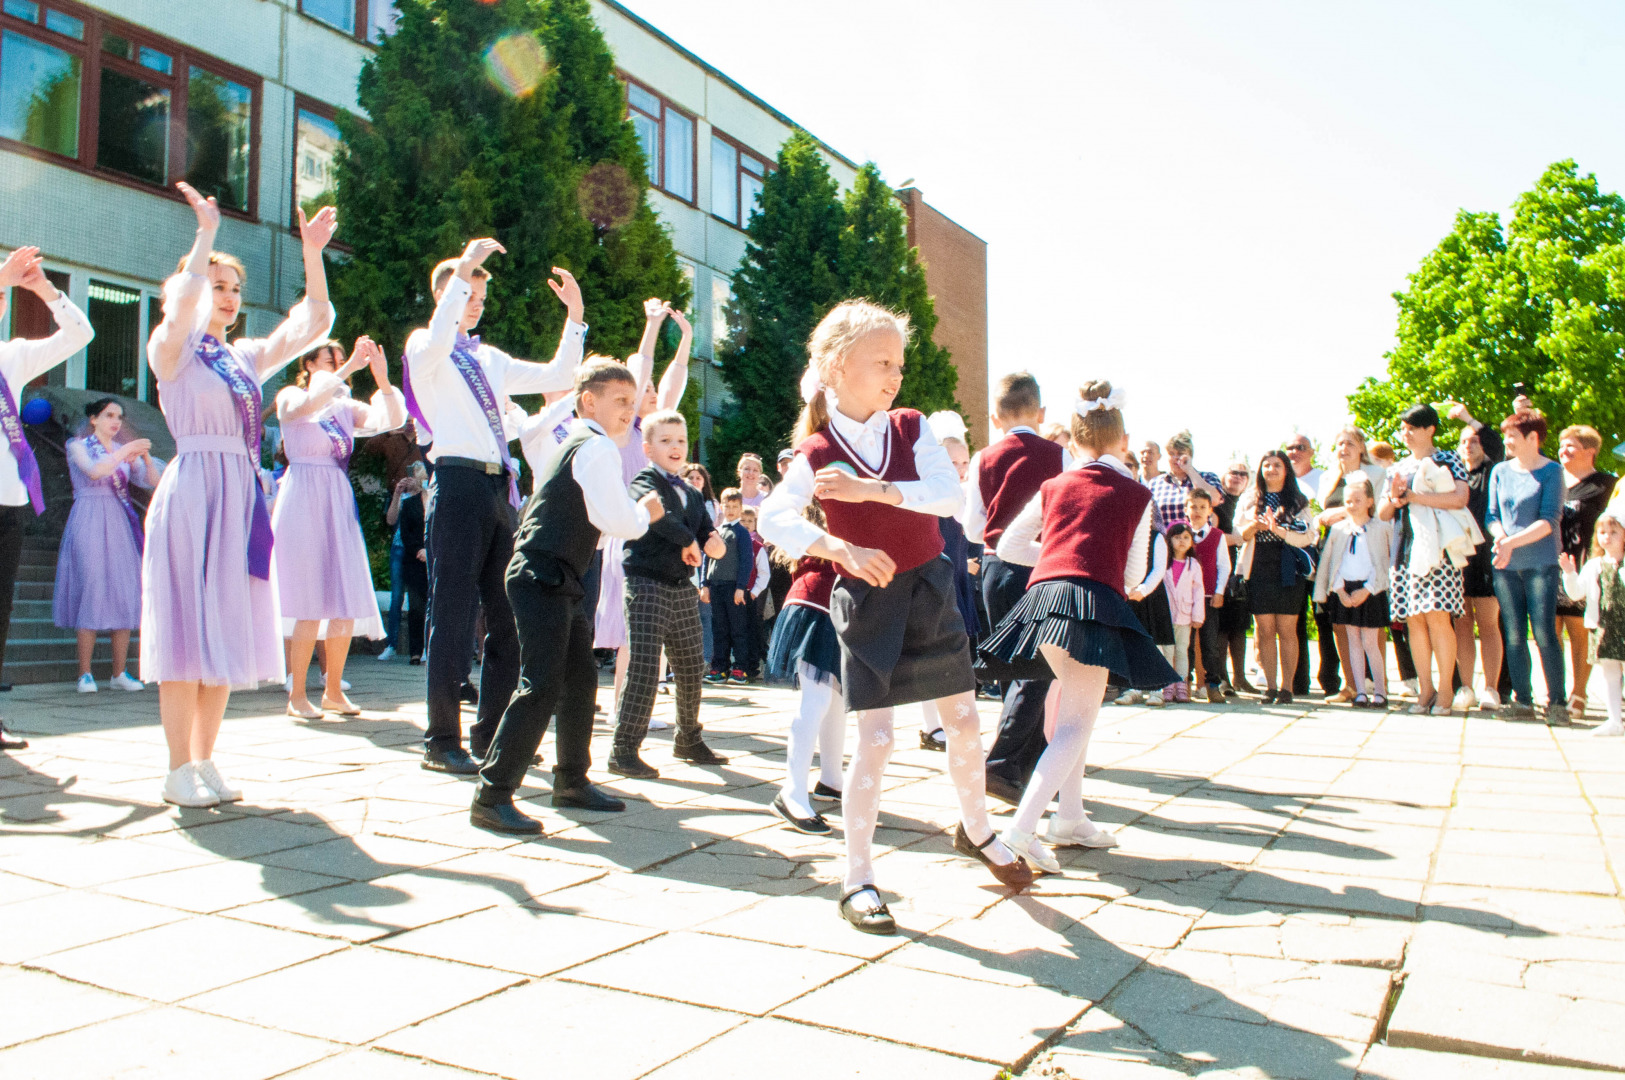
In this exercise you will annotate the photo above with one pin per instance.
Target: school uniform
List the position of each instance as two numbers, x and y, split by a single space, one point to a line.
730 622
1212 553
1356 557
804 634
1003 478
804 648
579 498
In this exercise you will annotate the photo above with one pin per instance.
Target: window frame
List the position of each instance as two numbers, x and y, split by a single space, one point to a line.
769 166
363 27
301 103
92 58
667 105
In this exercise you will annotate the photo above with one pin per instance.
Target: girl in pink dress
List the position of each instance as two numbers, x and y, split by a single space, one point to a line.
324 580
209 619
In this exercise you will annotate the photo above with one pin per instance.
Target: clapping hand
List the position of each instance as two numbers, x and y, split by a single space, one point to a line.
135 448
681 321
368 353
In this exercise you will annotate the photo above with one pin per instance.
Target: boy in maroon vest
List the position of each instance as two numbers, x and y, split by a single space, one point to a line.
1003 479
1212 553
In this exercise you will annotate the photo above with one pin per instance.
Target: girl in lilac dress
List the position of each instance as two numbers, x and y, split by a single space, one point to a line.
98 573
209 618
324 580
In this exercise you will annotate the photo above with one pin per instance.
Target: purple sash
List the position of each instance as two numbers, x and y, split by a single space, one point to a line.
27 466
245 390
120 484
340 442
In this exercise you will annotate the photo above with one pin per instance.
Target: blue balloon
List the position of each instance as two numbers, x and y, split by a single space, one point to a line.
36 411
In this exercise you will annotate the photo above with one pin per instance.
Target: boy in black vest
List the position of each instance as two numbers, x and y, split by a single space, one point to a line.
662 604
579 496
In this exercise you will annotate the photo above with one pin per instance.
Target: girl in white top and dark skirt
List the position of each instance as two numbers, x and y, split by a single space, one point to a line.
1075 619
1352 581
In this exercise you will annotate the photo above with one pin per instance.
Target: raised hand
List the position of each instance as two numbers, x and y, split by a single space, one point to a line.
1457 412
1565 562
135 448
17 266
207 210
681 320
655 310
475 254
370 354
35 281
317 232
569 293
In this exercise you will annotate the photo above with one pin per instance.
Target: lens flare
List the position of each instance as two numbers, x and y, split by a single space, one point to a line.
607 195
515 63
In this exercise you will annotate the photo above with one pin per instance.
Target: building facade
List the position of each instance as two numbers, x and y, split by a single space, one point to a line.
104 106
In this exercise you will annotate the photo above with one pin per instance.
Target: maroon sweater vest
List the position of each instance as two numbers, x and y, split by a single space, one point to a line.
1206 551
1009 474
1090 516
811 586
911 539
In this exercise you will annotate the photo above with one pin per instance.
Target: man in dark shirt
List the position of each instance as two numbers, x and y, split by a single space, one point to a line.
1586 495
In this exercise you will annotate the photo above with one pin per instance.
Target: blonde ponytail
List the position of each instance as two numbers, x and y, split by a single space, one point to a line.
846 324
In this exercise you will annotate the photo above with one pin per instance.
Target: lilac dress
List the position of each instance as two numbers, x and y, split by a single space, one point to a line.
98 573
609 629
322 570
204 617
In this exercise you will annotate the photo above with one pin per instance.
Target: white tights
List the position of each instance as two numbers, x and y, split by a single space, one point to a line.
1080 689
1367 640
860 796
1611 671
820 722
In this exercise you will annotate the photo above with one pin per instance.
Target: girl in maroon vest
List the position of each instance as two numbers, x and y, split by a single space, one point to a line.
1074 620
882 480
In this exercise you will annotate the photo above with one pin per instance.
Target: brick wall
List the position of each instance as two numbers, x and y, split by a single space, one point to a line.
955 261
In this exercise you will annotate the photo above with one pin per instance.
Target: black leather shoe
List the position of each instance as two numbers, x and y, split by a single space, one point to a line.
878 921
1014 875
1003 790
815 825
503 818
634 767
933 740
455 760
468 695
822 792
586 796
11 742
698 754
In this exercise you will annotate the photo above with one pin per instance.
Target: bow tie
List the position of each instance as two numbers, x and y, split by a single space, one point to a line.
468 342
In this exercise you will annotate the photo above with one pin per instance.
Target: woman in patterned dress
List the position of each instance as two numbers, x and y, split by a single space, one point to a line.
1426 603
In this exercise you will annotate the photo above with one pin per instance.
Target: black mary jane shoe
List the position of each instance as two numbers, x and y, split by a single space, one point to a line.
633 768
697 753
813 826
934 740
11 742
586 796
503 818
1268 698
455 761
1015 874
822 792
877 921
1378 701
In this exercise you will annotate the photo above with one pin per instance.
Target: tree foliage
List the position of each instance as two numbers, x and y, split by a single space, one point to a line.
809 249
1541 302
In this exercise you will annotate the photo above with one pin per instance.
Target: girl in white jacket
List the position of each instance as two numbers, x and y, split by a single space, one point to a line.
1601 584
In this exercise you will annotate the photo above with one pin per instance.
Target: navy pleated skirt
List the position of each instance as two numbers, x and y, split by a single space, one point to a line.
803 634
1094 624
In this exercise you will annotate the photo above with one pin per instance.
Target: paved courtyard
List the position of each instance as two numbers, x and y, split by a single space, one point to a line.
1300 893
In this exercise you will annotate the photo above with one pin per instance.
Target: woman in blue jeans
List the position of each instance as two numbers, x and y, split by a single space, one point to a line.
1525 499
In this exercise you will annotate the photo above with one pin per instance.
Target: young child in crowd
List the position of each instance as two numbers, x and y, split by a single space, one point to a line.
757 582
1211 550
1352 581
949 428
1149 602
1183 583
1601 584
726 579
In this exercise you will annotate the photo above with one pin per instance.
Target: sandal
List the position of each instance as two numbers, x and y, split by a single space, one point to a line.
1013 874
876 921
336 711
1030 851
314 714
1422 708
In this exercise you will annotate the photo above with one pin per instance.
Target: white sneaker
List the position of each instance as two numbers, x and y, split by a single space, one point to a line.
344 684
657 724
1409 685
1464 699
1154 700
1083 833
287 684
1489 700
388 653
125 681
1030 851
1129 697
1612 727
87 683
217 783
185 787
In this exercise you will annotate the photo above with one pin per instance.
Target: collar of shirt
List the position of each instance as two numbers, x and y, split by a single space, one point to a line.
1018 429
1109 460
868 437
593 424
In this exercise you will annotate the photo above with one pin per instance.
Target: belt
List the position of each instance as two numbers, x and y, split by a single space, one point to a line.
323 459
489 468
210 444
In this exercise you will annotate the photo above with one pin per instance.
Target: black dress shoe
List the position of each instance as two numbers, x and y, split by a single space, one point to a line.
824 793
5 688
586 796
698 754
877 921
11 742
468 695
1003 790
634 767
815 825
455 760
503 818
933 740
1015 874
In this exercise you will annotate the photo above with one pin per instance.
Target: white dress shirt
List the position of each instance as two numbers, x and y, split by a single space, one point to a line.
597 468
1020 544
536 434
22 361
936 493
386 412
454 416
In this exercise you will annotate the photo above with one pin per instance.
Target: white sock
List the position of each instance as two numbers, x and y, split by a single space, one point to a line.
832 738
805 728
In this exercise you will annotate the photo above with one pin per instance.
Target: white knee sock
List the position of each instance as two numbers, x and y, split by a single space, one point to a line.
860 803
805 729
832 739
1611 671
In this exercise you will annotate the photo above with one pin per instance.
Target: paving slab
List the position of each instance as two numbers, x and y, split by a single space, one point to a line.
1438 1011
520 939
38 1004
802 1052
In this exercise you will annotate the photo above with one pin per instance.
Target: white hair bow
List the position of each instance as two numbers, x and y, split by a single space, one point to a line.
811 383
1113 400
946 424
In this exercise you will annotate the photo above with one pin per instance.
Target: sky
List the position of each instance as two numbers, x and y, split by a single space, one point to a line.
1210 204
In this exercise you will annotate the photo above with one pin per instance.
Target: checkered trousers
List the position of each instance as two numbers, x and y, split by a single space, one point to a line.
658 614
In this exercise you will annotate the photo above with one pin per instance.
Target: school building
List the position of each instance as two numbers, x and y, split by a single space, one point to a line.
104 106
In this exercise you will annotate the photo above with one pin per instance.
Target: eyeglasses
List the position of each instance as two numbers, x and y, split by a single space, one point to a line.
1239 474
1297 449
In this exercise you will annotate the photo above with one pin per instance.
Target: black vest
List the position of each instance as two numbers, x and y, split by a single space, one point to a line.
556 521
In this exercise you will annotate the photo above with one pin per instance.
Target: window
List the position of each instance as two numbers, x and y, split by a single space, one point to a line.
375 18
667 136
736 180
152 111
113 358
316 146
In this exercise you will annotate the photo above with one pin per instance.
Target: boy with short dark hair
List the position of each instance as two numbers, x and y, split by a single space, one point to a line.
1212 553
725 580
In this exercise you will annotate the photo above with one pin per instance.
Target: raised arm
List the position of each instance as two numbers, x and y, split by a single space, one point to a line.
387 410
642 362
529 377
103 467
25 360
674 380
293 403
186 294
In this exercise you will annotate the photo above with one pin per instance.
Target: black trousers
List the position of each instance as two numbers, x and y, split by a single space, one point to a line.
1020 740
557 675
417 604
470 545
1212 643
13 521
731 645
